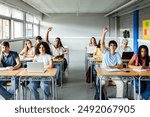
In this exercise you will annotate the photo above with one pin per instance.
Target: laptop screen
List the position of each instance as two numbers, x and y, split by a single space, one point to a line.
127 55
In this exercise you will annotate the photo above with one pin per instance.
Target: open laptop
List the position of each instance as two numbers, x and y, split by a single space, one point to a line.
35 67
127 55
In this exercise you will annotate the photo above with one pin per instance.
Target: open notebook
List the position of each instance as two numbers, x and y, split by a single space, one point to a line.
113 70
4 68
140 70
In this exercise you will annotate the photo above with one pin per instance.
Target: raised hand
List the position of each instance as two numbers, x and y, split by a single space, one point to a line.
105 29
50 29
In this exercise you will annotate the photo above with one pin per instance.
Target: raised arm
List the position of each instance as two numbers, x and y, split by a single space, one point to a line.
46 39
103 47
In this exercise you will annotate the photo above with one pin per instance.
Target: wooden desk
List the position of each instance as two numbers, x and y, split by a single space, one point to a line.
49 73
102 73
12 74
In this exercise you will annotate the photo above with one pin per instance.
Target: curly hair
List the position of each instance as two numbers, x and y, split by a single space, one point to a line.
46 46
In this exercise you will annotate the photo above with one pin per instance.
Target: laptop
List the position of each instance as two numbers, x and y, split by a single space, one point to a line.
35 67
127 55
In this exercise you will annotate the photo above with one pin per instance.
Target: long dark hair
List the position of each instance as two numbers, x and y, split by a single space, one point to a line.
99 44
61 45
140 56
46 46
29 42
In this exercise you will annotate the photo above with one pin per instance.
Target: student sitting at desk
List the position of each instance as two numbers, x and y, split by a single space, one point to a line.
98 52
124 47
112 59
141 61
8 59
38 39
28 50
42 54
56 39
91 47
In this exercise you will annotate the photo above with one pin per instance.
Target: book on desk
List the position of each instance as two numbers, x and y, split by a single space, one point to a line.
113 70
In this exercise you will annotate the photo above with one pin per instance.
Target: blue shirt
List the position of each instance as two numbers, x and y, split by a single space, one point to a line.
10 60
110 60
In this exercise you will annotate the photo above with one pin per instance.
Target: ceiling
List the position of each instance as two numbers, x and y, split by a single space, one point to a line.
75 6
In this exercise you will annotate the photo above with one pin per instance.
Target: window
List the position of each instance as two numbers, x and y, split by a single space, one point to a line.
17 14
36 30
5 11
17 29
36 21
4 29
29 30
29 18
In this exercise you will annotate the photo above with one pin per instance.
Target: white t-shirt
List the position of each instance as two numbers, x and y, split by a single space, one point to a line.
58 51
45 58
120 50
31 51
90 49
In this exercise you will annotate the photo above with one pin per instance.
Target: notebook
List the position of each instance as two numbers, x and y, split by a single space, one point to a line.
140 70
35 67
113 70
127 55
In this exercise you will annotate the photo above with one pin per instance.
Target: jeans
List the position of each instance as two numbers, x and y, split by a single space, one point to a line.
146 93
58 73
45 86
8 94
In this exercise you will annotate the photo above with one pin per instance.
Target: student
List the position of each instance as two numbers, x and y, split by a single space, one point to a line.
8 59
38 39
58 53
91 47
28 50
56 39
112 59
98 52
124 47
141 61
42 54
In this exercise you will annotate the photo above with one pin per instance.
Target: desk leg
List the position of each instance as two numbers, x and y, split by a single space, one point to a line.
139 88
19 87
134 88
91 65
13 81
56 92
53 90
99 82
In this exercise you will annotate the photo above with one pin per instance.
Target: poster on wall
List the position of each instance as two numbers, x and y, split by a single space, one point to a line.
146 29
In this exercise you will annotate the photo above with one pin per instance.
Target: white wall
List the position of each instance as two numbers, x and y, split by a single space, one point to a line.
74 30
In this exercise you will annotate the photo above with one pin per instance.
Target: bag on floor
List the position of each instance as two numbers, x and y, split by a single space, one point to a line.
88 74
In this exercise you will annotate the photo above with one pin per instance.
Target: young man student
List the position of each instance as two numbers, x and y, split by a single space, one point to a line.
112 59
8 59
